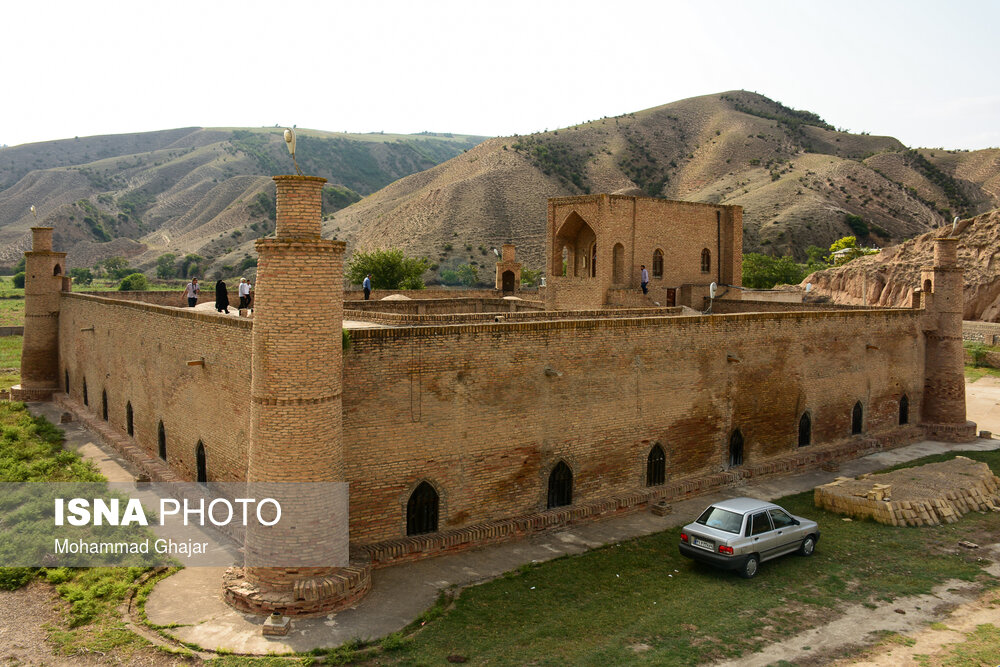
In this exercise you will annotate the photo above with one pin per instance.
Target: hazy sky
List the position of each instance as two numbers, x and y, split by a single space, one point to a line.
924 72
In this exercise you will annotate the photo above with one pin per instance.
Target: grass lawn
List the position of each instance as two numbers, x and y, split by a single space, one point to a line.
31 451
972 373
640 602
10 361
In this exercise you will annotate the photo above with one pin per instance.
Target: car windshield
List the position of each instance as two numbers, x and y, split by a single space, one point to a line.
713 517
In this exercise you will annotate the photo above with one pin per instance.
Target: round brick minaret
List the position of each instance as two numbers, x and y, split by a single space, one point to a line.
943 406
295 417
43 280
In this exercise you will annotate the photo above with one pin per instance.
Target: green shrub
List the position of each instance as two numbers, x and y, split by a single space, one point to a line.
81 276
12 578
134 283
977 351
19 279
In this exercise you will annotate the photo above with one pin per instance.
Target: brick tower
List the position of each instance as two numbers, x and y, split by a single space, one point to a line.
943 411
43 280
295 415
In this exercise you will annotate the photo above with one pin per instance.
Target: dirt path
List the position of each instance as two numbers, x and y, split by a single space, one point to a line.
23 613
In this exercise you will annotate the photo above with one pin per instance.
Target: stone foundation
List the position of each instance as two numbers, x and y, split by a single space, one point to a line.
951 432
925 496
19 393
308 596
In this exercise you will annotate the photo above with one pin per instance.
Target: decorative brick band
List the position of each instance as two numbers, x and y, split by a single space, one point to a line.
263 400
406 549
305 244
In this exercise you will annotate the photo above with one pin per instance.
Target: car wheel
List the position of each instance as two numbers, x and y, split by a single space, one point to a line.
749 569
808 546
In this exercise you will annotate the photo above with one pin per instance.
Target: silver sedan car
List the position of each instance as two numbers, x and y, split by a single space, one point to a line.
740 533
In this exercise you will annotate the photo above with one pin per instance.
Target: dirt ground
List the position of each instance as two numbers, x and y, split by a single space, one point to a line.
24 615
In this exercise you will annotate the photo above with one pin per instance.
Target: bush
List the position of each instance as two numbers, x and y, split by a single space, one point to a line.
134 283
19 280
977 351
12 578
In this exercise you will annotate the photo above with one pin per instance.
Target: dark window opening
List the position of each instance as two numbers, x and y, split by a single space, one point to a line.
66 374
162 438
201 464
85 401
857 418
927 285
736 449
57 270
805 430
593 261
104 404
560 486
129 426
656 466
422 510
657 263
706 261
904 410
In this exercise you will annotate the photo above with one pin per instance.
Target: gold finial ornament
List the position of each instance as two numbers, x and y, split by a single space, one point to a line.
290 142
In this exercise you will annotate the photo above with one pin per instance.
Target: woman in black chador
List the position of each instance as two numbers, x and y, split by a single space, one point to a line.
221 297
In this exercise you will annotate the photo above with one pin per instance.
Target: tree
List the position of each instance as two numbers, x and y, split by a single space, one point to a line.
468 275
19 279
81 276
850 248
390 269
764 272
116 267
21 264
529 278
166 265
191 265
135 282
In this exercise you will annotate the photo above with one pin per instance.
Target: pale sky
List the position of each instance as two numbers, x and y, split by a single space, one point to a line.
925 72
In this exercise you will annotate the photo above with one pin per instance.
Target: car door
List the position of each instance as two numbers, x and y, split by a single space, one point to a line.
786 533
762 535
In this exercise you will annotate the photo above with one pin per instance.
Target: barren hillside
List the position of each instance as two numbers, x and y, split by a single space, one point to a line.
187 191
796 176
888 278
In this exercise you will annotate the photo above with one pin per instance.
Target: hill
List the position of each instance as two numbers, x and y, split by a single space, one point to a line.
887 279
204 191
800 180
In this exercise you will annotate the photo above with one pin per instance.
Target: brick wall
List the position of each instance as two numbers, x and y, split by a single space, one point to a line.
484 412
982 332
138 353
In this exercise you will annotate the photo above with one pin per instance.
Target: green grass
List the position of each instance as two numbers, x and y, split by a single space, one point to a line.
31 451
590 609
973 373
981 647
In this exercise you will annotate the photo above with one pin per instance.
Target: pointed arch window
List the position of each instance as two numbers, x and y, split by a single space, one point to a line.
201 463
706 261
66 374
857 419
161 438
129 424
805 430
656 466
904 410
422 510
85 401
104 404
736 449
560 486
657 263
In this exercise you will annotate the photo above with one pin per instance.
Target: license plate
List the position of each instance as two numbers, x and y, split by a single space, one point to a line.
703 544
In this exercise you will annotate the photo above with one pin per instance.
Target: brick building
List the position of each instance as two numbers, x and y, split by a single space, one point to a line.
474 420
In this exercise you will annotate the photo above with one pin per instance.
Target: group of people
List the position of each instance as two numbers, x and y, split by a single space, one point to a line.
221 295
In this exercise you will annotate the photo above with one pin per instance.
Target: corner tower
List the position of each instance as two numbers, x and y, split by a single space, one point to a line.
943 406
43 280
295 416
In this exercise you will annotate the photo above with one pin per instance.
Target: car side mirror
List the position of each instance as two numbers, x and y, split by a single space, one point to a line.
796 522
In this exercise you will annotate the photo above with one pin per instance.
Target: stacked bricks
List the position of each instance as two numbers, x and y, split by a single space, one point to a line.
295 414
929 495
43 282
944 379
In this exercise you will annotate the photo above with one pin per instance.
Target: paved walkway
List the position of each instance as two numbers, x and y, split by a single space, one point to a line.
192 597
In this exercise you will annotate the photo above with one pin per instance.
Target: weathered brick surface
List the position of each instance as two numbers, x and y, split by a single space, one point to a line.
138 353
449 404
638 227
43 281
